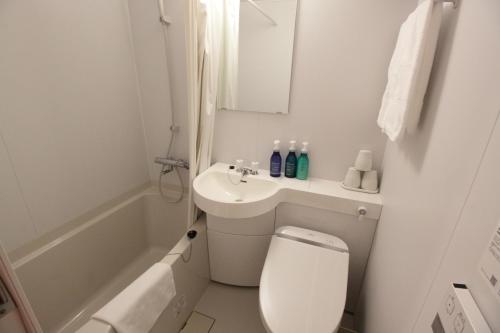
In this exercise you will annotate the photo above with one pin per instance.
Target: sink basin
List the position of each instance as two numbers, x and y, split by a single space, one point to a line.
219 192
227 194
227 187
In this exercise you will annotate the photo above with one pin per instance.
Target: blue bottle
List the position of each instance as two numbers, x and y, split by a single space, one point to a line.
276 160
291 162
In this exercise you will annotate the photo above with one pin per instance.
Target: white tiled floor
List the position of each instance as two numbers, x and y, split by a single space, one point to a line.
235 309
229 309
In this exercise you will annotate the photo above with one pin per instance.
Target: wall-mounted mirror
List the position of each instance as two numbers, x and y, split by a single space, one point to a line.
265 54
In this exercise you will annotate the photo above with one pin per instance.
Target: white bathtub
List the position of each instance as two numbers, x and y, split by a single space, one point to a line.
71 277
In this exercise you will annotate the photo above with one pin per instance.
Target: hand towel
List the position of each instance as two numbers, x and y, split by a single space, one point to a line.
137 308
409 71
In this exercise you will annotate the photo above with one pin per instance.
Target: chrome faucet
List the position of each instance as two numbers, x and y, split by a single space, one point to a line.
245 171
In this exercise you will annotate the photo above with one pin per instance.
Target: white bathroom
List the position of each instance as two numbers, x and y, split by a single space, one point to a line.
249 166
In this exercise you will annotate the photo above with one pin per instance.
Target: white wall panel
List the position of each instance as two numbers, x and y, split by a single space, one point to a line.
427 178
69 105
16 225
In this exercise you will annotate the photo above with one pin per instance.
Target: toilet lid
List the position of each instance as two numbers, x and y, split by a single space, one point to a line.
303 284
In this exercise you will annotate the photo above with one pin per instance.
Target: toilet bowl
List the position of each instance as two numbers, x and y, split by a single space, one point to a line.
304 282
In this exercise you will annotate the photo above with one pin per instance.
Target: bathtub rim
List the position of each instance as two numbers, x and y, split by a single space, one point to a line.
40 245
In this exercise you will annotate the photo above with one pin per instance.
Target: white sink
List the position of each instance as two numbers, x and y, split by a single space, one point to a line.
226 194
219 192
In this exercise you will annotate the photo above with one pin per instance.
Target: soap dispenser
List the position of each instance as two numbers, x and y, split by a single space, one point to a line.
276 160
291 162
303 163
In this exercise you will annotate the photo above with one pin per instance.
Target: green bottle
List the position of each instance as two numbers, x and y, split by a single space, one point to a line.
303 163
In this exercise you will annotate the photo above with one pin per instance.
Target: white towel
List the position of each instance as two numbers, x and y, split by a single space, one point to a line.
409 71
137 308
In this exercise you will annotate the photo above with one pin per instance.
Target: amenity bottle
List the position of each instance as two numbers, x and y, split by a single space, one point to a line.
276 160
303 163
291 162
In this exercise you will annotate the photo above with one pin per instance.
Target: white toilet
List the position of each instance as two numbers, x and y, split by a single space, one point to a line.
304 282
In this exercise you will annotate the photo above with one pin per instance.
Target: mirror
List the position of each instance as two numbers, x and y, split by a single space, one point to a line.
265 54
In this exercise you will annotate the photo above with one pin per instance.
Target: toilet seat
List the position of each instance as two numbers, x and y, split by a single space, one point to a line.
304 282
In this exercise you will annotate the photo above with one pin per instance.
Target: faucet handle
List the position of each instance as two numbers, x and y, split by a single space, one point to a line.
239 165
255 168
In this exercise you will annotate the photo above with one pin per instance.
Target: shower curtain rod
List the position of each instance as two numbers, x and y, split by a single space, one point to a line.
262 11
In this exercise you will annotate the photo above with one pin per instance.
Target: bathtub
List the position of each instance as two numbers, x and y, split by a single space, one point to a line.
74 275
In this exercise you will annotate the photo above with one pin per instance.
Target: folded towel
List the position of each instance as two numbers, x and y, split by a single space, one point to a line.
137 308
409 71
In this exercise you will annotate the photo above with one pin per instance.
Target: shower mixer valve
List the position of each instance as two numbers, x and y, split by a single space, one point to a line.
169 164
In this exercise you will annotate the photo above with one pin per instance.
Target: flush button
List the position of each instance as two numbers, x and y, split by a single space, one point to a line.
450 305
